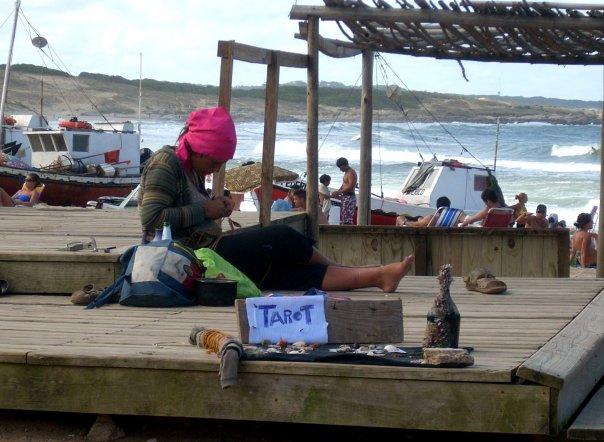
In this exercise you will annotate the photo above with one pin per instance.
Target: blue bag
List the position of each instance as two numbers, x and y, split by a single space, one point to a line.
158 274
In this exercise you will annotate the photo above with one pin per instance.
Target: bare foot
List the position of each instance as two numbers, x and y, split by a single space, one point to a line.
393 273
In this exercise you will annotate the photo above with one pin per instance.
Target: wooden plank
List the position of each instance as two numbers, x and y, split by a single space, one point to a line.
394 248
253 54
361 249
532 255
278 398
270 131
571 362
225 90
511 255
443 17
364 202
56 277
312 129
330 245
589 425
349 321
551 260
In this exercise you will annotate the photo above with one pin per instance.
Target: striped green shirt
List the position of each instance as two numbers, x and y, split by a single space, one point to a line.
164 195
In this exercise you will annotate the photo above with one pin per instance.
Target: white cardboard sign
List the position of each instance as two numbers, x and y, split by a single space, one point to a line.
291 318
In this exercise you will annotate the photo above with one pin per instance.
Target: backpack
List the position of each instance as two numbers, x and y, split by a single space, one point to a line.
158 274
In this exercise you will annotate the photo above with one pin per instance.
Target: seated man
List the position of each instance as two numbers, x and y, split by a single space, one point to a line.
423 221
536 221
286 204
491 200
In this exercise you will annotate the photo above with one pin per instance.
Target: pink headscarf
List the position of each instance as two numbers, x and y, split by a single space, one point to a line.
211 132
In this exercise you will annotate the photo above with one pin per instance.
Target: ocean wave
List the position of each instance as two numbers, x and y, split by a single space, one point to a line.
572 151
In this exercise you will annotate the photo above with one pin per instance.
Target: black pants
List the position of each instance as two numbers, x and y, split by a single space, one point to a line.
274 257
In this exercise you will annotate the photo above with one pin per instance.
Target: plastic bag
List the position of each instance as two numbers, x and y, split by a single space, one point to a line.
217 266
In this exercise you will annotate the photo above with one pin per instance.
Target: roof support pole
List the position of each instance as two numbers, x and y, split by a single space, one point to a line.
600 263
225 90
312 130
270 133
364 204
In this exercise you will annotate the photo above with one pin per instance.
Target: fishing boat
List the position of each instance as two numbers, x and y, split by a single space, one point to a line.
78 161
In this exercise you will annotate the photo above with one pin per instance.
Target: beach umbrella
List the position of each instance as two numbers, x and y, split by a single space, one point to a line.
246 178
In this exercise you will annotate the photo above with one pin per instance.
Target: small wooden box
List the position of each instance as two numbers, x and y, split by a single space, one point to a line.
350 321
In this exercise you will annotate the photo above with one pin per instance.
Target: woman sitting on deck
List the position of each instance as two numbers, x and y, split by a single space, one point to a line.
582 243
28 195
275 257
491 200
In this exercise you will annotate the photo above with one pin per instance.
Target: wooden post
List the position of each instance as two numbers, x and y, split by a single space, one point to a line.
600 263
312 131
270 131
364 203
224 100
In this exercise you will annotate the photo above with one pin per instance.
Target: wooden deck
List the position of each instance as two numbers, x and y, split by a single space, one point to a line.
539 349
31 241
122 360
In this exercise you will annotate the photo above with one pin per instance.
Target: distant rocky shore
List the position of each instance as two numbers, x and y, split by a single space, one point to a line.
117 96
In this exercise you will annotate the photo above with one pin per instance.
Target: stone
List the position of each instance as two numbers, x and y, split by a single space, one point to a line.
440 356
104 429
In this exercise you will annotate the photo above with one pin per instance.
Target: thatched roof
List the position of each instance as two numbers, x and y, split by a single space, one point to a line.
246 178
545 32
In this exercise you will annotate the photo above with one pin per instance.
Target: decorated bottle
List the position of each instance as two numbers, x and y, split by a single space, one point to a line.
167 232
158 235
442 329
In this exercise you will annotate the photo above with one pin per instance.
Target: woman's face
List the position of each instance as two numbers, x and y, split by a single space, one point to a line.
205 165
30 183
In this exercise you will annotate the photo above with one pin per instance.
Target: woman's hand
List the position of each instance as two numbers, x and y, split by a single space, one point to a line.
218 207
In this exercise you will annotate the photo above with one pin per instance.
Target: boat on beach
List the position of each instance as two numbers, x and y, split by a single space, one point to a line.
78 161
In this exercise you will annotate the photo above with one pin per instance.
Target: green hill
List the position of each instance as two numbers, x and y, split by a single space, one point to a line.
116 95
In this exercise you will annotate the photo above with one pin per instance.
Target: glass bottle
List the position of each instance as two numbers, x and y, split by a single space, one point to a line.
442 329
167 232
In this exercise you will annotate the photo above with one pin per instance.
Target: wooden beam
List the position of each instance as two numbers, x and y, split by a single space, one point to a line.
270 131
397 15
572 362
224 99
364 203
589 425
312 131
253 54
462 406
600 263
329 46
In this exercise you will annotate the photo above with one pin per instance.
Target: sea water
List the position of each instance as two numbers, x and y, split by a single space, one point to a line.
553 164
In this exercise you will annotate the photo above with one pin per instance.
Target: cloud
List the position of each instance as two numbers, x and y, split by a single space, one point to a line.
179 41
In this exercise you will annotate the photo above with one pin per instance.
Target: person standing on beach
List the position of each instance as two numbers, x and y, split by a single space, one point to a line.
346 191
583 242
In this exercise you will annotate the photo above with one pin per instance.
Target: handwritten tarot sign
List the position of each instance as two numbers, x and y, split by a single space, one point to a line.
292 318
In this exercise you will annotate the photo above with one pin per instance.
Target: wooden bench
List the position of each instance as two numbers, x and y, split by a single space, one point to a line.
589 425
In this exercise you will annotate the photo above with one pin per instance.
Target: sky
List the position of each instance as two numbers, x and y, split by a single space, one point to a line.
178 40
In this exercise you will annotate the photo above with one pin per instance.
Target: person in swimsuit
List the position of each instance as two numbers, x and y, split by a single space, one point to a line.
536 221
28 195
275 257
491 200
346 191
583 242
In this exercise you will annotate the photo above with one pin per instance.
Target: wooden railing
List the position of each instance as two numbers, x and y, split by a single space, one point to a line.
507 252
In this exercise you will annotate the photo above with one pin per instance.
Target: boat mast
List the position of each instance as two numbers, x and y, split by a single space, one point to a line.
140 91
7 71
496 147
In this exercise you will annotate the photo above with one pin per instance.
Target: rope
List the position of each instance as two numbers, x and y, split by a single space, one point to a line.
350 90
213 340
431 114
6 19
65 69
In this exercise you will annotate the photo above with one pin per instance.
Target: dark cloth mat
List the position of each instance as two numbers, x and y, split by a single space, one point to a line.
412 357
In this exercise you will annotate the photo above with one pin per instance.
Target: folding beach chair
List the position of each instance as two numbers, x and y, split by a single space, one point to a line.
498 217
446 217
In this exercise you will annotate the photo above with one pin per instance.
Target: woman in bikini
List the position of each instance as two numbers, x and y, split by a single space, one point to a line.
28 195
